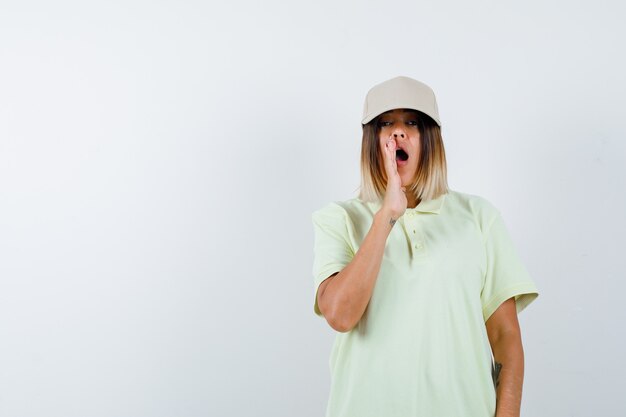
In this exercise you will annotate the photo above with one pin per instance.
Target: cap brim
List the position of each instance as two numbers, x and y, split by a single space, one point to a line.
371 116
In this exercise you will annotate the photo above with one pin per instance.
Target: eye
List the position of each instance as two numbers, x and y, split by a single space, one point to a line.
412 122
384 123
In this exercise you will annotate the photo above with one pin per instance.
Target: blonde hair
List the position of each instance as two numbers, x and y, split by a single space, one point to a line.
430 179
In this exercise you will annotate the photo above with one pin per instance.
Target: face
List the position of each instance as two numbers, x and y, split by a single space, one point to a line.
401 125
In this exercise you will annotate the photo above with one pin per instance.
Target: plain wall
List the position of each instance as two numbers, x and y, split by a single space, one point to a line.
160 161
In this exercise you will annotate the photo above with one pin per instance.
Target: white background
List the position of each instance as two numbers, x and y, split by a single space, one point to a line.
159 163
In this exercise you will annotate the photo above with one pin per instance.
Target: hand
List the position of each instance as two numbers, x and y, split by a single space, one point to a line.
395 200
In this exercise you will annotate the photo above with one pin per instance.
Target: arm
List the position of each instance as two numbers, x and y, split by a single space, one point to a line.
343 298
506 343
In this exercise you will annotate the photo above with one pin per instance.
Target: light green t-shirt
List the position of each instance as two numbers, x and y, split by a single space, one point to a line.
421 347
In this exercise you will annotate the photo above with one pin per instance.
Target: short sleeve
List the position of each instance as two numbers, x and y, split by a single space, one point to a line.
505 275
332 249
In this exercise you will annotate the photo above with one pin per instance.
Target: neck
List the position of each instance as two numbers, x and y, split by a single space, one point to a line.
411 202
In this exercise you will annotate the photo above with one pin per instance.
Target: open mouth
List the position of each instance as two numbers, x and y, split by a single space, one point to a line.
401 155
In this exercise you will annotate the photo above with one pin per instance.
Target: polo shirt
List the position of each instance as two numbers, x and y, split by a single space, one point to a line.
421 346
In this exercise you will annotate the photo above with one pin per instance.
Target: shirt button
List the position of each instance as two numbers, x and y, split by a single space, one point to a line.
413 231
419 246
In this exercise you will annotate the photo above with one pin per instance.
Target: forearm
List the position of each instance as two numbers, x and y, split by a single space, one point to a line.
349 292
509 357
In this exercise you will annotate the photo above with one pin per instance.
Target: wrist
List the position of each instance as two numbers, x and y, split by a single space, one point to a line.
385 218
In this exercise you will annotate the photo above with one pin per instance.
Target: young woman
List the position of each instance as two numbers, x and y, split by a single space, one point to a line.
422 283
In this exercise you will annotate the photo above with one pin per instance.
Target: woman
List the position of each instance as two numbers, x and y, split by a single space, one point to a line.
422 283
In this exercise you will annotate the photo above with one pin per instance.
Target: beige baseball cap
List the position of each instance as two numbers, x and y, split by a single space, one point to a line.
400 93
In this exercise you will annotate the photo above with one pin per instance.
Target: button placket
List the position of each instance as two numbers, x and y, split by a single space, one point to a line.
415 234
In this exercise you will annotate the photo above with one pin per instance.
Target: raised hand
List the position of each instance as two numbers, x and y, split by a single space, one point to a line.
395 200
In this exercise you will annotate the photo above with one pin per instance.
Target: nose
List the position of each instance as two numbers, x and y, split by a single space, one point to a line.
398 133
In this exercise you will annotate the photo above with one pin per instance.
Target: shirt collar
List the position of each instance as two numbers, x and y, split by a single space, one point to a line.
430 206
426 206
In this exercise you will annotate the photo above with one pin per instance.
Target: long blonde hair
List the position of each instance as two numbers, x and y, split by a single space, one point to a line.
431 176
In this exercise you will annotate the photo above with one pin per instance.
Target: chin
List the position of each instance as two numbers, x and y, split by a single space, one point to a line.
406 180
